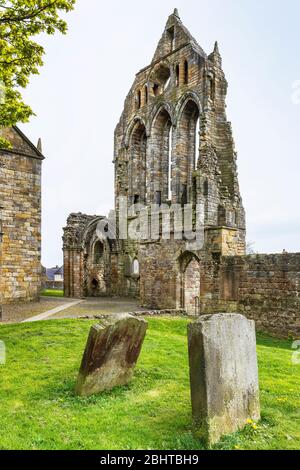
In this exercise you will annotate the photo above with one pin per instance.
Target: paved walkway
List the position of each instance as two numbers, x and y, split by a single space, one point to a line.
61 307
50 313
93 306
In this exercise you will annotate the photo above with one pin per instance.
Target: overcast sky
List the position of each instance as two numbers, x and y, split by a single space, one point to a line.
79 95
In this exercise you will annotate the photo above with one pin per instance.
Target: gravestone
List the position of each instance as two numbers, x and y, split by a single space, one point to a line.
223 375
111 353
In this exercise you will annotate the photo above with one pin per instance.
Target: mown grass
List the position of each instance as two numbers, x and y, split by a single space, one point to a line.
40 411
52 293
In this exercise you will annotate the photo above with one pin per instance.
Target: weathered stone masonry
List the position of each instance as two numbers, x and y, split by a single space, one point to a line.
20 189
266 288
174 145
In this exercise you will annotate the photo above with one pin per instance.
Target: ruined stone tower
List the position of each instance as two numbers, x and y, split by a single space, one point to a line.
174 148
173 145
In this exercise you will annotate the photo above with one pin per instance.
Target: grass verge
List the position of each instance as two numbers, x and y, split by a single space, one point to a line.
40 411
52 293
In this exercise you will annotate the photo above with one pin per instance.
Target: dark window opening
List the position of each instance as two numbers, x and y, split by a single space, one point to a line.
171 35
184 195
136 199
205 188
177 74
156 89
158 198
146 94
194 190
139 99
186 72
95 283
211 88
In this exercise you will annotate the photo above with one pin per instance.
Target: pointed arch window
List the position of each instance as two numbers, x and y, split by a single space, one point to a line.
136 267
188 136
137 167
162 157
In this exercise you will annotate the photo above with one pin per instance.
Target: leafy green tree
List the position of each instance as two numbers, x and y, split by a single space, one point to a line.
20 55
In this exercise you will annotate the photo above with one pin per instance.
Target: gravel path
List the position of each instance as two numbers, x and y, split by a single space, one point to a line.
99 306
46 309
15 313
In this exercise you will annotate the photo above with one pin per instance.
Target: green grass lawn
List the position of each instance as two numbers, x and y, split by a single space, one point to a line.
52 293
39 409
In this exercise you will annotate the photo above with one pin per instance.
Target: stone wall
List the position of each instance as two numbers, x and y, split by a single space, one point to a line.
20 190
265 288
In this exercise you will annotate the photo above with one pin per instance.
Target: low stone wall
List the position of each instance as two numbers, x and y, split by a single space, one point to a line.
265 288
142 313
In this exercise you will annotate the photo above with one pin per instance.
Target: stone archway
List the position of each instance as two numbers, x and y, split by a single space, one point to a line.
190 283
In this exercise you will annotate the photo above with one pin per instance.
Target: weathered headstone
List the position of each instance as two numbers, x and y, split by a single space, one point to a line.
111 353
223 374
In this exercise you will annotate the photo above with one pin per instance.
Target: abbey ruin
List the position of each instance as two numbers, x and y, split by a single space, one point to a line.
174 146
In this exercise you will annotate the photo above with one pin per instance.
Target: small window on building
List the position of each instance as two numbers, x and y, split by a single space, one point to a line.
184 195
177 74
194 190
171 35
158 198
156 89
186 72
212 88
205 188
146 94
136 199
139 99
98 252
136 267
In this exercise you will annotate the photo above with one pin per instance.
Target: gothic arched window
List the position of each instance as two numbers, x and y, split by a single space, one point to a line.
188 138
162 156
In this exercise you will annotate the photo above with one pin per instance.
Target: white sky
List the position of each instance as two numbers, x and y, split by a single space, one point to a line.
79 94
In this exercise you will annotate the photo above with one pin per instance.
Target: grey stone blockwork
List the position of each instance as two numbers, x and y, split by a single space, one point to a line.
223 374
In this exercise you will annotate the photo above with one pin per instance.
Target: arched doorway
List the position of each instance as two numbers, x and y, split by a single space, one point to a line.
190 283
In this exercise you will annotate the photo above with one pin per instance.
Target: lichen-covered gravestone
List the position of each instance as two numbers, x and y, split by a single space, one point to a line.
223 374
111 353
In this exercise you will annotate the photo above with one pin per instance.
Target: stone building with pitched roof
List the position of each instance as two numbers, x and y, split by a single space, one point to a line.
20 218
